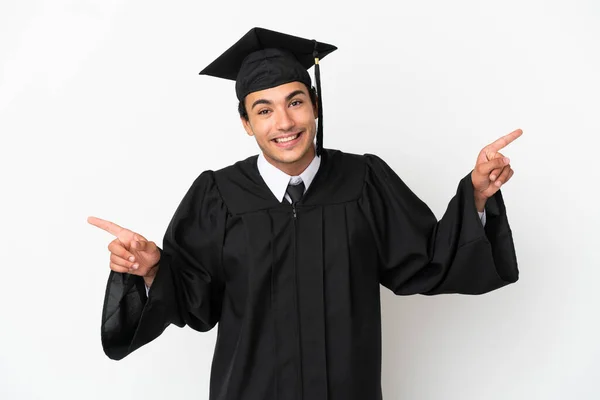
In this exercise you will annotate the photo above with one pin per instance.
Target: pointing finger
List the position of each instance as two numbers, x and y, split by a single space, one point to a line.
505 140
108 226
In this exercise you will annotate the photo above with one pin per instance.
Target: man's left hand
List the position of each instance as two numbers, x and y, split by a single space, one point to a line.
492 169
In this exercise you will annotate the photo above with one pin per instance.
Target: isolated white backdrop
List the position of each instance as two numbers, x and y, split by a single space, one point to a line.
102 113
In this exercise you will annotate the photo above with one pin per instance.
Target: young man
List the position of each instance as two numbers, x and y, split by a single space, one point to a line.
287 250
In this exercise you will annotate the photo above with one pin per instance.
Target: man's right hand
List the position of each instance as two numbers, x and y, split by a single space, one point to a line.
130 252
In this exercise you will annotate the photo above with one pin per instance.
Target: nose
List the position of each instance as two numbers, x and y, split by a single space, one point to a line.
284 120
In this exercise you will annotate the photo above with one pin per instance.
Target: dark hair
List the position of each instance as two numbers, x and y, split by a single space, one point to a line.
312 93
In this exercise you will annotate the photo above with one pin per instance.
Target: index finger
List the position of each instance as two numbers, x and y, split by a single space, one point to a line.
505 140
108 226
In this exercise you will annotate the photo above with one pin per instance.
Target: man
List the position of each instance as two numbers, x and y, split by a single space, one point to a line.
287 250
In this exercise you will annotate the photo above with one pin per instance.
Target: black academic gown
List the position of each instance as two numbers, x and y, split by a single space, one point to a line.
296 290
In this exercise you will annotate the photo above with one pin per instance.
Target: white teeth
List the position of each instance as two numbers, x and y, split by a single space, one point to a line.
287 139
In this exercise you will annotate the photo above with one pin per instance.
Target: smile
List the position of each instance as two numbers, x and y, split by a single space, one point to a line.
288 140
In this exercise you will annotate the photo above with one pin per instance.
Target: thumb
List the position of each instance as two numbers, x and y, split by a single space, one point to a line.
139 244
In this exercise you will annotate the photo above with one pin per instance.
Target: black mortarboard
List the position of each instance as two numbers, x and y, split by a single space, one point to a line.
263 59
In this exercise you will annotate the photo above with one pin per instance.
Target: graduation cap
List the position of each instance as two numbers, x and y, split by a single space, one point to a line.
263 59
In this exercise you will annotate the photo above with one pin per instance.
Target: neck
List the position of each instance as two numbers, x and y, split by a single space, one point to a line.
294 168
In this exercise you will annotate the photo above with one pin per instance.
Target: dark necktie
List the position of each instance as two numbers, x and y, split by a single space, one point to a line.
296 192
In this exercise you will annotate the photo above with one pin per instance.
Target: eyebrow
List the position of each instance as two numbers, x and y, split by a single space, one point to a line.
287 98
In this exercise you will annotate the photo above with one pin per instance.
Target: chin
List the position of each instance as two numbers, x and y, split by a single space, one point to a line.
286 158
294 155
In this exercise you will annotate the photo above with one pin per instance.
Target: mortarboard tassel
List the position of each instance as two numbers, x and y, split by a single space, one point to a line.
319 101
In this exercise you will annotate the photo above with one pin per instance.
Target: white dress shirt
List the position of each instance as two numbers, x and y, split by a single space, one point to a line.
278 181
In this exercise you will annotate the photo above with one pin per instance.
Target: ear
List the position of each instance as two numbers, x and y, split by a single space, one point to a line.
316 108
247 126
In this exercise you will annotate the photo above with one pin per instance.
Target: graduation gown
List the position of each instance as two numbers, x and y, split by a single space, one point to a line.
295 290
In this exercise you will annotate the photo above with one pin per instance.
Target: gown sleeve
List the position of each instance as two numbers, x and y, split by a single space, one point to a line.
418 254
188 287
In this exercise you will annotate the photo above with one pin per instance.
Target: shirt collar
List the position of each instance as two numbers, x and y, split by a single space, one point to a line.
278 181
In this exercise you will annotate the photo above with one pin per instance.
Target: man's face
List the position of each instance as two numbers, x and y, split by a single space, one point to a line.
282 120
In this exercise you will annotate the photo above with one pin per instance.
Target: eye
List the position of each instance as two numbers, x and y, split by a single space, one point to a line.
295 103
264 111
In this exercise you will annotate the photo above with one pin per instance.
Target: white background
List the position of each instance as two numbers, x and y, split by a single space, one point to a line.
102 112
